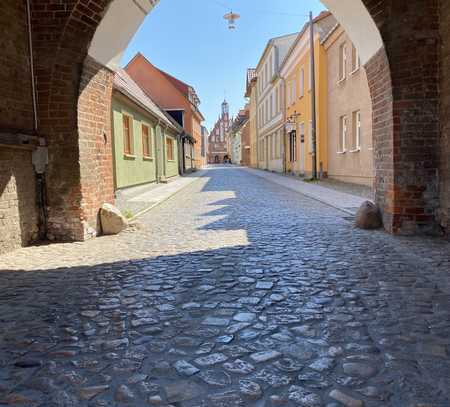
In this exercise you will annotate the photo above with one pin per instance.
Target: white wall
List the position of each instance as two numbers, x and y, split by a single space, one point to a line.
121 21
358 24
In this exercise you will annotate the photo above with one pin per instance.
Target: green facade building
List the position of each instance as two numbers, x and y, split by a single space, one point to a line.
145 138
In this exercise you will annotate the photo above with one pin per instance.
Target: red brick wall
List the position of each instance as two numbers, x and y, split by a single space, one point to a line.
95 143
408 177
444 179
62 32
16 106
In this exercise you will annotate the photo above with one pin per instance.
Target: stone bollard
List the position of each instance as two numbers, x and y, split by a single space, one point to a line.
368 216
112 220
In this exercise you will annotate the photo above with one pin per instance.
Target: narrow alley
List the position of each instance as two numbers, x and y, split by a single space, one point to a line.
234 292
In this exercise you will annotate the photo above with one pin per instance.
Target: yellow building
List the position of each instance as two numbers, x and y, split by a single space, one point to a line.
250 94
296 73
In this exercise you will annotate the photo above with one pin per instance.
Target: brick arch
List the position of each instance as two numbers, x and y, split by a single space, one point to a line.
74 78
61 37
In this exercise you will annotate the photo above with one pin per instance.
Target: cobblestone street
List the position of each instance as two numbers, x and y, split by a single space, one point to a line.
234 292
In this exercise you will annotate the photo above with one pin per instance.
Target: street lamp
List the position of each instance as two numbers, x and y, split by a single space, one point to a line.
231 18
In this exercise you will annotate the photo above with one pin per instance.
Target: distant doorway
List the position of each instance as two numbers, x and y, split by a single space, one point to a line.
216 159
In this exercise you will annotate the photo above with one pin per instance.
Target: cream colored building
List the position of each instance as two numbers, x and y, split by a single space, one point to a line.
270 106
350 152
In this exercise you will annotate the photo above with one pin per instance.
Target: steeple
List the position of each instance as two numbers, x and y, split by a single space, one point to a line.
225 109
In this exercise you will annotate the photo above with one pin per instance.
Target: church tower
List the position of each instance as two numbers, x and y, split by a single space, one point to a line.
225 110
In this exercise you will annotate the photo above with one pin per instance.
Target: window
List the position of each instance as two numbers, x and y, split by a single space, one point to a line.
127 134
355 59
146 142
343 62
277 100
310 137
267 110
291 92
356 145
302 133
169 148
293 146
271 66
343 134
271 105
302 83
294 90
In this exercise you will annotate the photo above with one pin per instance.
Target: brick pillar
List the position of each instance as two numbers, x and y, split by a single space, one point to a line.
379 78
444 142
95 143
406 113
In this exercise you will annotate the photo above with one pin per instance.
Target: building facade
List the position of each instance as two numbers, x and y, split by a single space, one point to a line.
246 141
204 149
251 95
298 82
270 106
350 147
237 139
217 142
176 97
145 141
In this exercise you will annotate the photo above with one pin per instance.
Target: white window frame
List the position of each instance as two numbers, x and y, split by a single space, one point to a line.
343 62
356 117
356 62
343 131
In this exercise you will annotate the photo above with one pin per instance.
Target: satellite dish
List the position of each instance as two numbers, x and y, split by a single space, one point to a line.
231 18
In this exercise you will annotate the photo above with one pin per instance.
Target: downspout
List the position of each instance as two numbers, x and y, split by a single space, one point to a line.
40 155
283 131
33 79
156 148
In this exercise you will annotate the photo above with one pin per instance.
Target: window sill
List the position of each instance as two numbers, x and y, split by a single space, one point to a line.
145 158
341 81
171 161
341 152
129 156
355 71
356 150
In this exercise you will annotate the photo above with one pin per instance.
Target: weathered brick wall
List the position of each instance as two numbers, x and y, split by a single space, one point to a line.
18 213
62 32
95 142
16 106
444 179
379 78
408 177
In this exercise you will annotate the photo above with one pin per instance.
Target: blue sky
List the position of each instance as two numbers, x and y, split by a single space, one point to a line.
190 40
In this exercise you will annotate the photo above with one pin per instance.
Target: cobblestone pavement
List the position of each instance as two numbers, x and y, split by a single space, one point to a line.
235 292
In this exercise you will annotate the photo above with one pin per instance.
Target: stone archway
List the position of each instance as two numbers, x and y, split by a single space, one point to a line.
405 103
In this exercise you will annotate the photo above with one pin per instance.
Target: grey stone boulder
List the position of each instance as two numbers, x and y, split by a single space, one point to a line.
112 220
368 216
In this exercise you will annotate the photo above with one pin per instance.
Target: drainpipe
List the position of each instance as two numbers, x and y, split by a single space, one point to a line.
156 151
283 129
33 79
40 155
